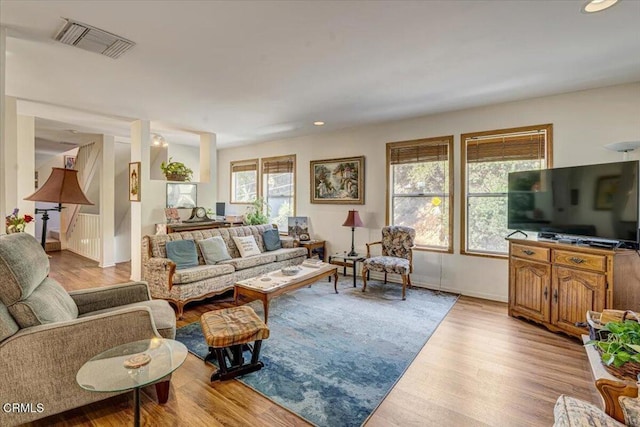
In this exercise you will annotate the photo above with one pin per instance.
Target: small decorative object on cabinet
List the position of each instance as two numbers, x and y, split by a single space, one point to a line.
555 284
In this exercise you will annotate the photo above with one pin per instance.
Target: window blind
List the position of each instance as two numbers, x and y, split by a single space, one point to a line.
525 146
278 165
244 167
420 151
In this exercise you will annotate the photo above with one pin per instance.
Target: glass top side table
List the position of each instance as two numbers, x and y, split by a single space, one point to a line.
345 260
106 372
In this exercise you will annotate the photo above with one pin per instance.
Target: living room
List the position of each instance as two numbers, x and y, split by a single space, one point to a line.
589 95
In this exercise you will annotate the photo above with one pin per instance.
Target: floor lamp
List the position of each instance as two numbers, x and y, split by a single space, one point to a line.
353 220
61 187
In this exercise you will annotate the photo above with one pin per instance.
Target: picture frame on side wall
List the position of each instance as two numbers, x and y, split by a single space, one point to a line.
338 181
69 162
134 182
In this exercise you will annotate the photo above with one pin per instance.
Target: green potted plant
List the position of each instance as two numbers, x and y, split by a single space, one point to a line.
176 171
620 348
257 213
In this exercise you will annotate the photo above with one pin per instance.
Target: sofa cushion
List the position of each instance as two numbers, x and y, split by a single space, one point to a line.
47 304
289 253
213 250
8 326
247 246
23 265
163 315
572 412
631 410
244 263
201 272
183 253
271 240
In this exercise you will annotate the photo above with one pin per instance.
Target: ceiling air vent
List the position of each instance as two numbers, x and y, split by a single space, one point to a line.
93 39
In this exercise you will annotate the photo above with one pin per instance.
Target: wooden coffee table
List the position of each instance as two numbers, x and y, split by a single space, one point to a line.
269 286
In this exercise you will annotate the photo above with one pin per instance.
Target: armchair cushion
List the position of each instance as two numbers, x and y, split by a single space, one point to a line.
23 265
397 241
631 410
48 303
8 326
388 264
162 314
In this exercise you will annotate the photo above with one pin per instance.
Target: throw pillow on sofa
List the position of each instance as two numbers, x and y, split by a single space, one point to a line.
214 250
272 240
247 246
183 253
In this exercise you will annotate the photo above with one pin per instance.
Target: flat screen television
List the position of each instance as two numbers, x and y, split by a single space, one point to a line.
595 201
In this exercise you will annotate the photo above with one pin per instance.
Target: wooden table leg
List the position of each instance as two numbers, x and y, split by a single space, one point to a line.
265 307
335 281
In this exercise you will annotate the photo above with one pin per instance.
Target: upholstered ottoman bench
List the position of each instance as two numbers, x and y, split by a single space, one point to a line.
230 331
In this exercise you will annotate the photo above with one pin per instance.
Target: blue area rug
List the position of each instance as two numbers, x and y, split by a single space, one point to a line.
332 358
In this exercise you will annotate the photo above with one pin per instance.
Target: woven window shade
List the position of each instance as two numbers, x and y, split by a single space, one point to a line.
281 165
531 146
246 167
427 151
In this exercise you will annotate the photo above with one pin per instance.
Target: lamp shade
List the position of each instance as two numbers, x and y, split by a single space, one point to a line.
353 220
61 187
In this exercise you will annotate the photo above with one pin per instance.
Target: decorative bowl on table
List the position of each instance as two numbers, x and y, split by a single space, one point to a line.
291 271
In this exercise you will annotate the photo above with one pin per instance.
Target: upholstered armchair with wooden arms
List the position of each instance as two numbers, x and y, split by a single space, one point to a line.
47 334
397 255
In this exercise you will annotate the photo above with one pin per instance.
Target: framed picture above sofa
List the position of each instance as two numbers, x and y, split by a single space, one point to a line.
339 181
182 196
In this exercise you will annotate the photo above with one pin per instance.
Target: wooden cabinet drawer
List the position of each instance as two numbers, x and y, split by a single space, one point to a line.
530 252
576 259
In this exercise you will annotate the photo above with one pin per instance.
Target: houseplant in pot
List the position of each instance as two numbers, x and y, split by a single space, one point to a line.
176 171
257 213
619 348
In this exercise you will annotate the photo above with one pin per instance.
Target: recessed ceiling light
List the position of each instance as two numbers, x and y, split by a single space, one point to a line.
318 123
597 5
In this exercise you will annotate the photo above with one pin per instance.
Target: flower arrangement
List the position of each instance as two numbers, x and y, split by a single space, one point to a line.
15 223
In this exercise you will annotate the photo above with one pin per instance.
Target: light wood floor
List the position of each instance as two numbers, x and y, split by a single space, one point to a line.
479 368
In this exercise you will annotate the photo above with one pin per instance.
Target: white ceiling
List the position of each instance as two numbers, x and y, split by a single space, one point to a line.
261 70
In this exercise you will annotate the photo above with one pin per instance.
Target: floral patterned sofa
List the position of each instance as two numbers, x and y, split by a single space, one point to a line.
572 412
197 283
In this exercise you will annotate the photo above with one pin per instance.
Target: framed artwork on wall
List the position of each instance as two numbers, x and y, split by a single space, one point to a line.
69 162
339 181
182 196
134 182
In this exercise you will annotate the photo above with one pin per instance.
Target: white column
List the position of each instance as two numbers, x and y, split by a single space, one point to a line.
10 155
140 152
107 202
26 161
209 168
4 210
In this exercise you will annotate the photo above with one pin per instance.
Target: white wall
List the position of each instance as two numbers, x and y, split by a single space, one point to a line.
582 123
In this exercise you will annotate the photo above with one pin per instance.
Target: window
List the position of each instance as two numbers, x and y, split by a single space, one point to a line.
278 188
487 159
420 189
244 181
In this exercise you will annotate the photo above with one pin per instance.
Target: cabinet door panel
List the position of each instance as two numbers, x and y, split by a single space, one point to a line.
529 289
574 293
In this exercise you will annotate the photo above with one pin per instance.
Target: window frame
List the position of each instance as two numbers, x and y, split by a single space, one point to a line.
294 180
449 139
232 195
464 139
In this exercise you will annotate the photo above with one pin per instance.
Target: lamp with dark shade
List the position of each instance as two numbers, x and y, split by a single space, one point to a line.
353 220
61 187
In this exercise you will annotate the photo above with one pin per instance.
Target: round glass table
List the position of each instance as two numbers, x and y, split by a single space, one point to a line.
106 372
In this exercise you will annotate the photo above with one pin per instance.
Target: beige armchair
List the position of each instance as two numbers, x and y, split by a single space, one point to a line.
47 334
397 255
